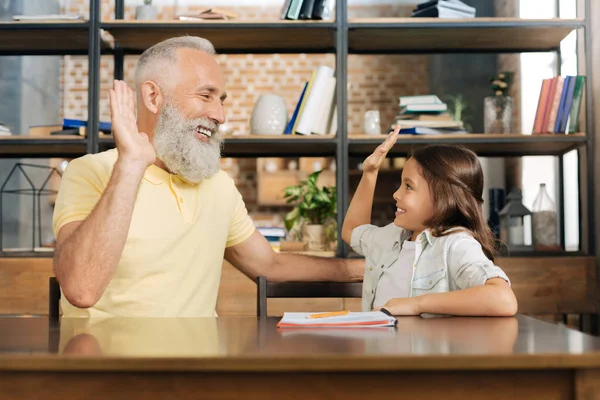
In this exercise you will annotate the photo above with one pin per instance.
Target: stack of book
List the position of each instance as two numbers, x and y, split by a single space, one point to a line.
425 115
305 9
316 112
4 130
559 104
443 9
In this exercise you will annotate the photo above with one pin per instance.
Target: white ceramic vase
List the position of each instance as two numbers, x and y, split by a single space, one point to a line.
269 116
146 12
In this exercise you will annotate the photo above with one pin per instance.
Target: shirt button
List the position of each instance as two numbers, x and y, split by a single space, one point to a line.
370 268
181 199
382 266
430 282
372 291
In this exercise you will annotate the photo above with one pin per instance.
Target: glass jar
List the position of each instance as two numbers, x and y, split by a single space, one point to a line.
497 114
545 221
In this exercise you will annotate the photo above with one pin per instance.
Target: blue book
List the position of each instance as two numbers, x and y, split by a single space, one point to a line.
561 105
568 103
76 123
290 125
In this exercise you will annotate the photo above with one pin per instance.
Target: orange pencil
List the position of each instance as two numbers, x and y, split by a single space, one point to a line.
329 314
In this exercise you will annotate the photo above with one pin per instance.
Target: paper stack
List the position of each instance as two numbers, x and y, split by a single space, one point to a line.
336 320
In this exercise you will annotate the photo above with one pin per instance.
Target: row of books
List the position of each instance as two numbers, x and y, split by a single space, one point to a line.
425 115
559 104
443 9
75 127
316 110
305 9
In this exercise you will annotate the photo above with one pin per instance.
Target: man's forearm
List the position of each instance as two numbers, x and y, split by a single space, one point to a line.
359 211
85 262
296 267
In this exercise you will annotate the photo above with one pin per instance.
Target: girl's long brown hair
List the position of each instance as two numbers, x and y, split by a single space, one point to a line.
455 181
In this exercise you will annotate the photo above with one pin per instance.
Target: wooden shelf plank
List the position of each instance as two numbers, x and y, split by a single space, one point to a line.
42 147
425 35
489 145
229 36
43 38
269 146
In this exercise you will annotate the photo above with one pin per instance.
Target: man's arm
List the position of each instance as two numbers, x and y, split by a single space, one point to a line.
255 257
88 251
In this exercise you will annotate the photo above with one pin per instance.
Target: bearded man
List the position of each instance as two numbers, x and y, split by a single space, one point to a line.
142 230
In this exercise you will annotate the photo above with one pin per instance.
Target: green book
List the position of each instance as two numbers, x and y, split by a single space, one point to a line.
576 105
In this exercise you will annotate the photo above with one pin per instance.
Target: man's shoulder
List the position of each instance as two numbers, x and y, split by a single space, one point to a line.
220 180
99 162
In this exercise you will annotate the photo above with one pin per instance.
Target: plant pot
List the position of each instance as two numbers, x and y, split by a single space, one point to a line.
314 236
146 12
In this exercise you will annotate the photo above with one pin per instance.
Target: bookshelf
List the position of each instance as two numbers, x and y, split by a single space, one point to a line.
230 37
485 145
482 35
267 145
44 38
341 37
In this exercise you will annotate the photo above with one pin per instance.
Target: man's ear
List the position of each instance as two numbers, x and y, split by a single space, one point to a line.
152 96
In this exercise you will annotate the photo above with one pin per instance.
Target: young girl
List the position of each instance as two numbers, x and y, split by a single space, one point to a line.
437 256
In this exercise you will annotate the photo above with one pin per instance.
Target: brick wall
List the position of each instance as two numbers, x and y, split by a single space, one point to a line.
374 82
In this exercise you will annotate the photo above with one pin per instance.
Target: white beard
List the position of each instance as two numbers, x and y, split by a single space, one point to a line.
177 145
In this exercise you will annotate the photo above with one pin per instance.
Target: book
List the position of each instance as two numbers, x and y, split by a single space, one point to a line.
456 4
304 100
325 110
320 10
567 107
429 124
310 111
284 9
444 9
294 9
423 108
560 81
209 13
292 121
345 320
576 105
49 17
307 9
420 99
424 130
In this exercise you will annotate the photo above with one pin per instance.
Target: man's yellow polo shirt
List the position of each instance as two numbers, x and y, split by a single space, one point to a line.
171 263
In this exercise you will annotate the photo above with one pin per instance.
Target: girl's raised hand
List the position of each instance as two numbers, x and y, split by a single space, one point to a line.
374 161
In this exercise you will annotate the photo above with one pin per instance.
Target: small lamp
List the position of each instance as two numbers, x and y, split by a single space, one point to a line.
513 219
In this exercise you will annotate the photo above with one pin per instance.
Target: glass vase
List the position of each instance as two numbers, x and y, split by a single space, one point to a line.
497 114
545 223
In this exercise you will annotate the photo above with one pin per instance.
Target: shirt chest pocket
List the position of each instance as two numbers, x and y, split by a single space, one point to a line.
432 282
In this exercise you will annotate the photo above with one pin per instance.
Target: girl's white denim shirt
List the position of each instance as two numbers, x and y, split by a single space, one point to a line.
442 264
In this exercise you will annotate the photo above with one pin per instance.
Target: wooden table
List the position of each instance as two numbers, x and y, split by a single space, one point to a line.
234 358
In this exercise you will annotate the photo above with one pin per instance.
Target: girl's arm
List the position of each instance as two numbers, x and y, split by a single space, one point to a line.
493 299
359 211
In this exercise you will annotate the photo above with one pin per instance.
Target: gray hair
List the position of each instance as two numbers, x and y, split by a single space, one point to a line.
156 60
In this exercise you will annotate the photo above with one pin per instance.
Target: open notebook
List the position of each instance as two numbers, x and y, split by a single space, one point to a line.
347 320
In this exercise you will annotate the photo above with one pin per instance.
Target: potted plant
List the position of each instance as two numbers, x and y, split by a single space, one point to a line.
314 212
146 11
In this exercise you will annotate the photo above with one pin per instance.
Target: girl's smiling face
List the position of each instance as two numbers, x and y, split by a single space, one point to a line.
413 200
